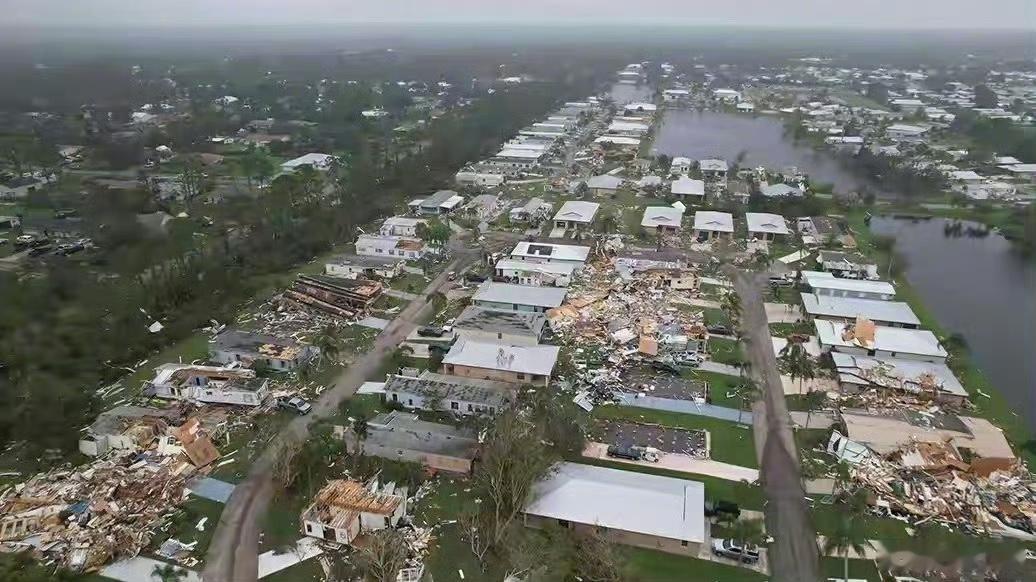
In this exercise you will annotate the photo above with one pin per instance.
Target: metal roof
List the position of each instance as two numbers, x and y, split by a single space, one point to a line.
537 360
520 294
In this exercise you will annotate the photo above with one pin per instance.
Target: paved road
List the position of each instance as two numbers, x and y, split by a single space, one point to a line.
233 553
794 556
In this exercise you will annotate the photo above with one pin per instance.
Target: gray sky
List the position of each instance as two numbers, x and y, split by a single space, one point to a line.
885 14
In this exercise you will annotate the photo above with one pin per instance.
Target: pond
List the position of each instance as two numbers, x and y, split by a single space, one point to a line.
979 287
622 93
712 134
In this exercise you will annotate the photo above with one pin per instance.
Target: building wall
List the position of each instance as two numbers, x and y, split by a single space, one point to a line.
535 279
826 292
418 402
498 375
509 306
625 538
438 462
507 339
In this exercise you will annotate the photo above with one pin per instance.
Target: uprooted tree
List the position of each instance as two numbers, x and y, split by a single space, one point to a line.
383 556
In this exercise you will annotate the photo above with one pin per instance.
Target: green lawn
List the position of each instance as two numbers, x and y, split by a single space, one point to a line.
193 347
786 329
653 566
409 282
719 386
726 351
714 316
183 524
730 442
858 569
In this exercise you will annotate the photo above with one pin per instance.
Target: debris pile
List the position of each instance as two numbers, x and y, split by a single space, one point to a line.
341 297
86 517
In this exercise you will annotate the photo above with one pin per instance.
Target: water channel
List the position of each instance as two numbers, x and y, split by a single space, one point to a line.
980 288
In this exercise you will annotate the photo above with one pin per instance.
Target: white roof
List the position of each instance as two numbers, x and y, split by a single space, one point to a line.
628 126
653 505
684 186
605 181
852 307
965 176
618 140
887 339
641 106
550 268
555 252
713 165
904 128
524 359
855 369
404 221
726 92
825 280
681 161
520 294
577 211
714 221
655 216
1022 168
519 153
315 160
764 222
775 190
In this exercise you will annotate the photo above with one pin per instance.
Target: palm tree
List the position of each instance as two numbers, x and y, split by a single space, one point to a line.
168 573
747 392
799 363
329 342
847 537
731 306
813 401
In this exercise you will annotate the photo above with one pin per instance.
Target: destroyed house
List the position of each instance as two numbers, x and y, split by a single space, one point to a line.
208 384
126 428
508 297
515 364
376 245
848 264
634 509
817 230
848 309
249 348
866 339
438 392
403 437
637 259
887 433
342 297
550 253
933 380
365 266
345 509
512 328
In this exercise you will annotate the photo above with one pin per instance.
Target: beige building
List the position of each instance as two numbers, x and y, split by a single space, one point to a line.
514 364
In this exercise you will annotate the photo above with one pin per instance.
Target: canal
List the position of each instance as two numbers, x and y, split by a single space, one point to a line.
713 134
980 288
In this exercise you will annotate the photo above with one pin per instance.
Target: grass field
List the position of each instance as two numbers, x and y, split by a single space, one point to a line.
726 351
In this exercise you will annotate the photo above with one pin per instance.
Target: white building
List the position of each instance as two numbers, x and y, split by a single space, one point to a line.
727 95
510 328
764 226
345 509
404 226
866 339
688 188
709 225
510 297
848 309
826 284
535 274
680 166
531 365
550 253
714 171
902 132
376 245
576 214
208 384
662 218
317 161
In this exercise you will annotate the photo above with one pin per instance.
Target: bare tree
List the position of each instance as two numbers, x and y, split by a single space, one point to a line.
384 556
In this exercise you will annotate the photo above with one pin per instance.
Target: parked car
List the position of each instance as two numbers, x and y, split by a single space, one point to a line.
65 213
781 281
690 359
295 404
721 330
430 331
24 240
634 453
730 549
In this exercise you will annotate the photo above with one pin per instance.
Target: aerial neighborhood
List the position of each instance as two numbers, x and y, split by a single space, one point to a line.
670 318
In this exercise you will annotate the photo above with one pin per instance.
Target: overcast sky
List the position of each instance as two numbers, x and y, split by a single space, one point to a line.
780 13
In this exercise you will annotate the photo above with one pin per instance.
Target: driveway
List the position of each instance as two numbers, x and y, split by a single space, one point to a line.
682 463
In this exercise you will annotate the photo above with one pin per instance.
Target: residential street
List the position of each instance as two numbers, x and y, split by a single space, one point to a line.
794 556
233 553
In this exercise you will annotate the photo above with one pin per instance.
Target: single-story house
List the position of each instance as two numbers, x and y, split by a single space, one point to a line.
317 161
905 133
684 187
714 170
851 265
621 141
520 158
727 95
826 284
625 507
439 392
442 202
603 185
364 266
628 128
510 297
126 428
403 437
345 509
533 209
932 379
576 214
513 364
473 178
537 252
513 328
640 107
535 274
866 339
376 245
1025 171
764 226
680 166
709 225
404 226
662 218
964 180
248 349
847 309
208 384
778 190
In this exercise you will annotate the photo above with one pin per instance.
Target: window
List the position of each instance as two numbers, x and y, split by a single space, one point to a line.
563 523
521 376
395 397
410 401
469 408
309 528
499 335
454 406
